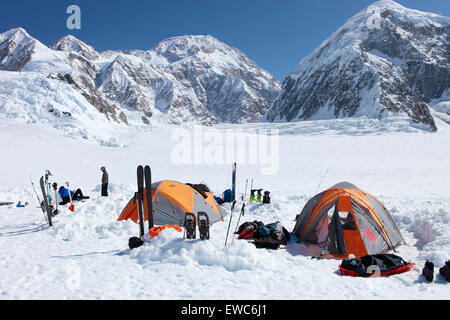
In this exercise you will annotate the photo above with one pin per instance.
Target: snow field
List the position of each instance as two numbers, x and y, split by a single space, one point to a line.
85 254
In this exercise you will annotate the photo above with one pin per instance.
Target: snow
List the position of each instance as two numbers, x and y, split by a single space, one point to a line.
440 108
85 254
47 124
30 97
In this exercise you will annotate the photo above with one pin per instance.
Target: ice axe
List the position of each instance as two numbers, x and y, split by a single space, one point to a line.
71 207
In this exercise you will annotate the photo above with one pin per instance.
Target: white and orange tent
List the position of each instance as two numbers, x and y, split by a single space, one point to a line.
172 200
344 220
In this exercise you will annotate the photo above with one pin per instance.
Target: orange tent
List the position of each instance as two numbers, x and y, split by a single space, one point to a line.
172 200
344 220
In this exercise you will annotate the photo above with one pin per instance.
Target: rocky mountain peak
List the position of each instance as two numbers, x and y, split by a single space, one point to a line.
177 48
72 44
16 49
385 60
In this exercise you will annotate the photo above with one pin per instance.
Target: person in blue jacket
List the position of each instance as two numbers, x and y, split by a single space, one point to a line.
64 194
20 205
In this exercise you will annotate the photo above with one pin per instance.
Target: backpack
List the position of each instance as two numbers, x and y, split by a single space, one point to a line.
385 264
278 236
269 236
249 226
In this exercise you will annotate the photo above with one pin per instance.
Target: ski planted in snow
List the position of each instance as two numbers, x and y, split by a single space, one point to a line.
46 204
148 193
233 183
203 225
135 242
140 198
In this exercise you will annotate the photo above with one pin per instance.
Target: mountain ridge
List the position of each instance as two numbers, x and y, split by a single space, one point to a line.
365 69
192 78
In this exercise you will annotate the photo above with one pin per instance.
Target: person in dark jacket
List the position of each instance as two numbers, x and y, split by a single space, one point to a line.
105 181
64 194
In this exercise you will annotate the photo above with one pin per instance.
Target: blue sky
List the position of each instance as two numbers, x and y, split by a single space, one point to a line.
276 34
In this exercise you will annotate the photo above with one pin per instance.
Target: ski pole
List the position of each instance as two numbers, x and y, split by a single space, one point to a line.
229 223
326 171
245 191
239 219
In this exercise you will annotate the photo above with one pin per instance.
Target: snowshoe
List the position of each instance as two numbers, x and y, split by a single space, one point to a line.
445 271
189 226
135 242
428 271
203 225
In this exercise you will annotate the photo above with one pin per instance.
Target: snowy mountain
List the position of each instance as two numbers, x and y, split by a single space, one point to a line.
386 60
71 44
190 78
21 52
195 79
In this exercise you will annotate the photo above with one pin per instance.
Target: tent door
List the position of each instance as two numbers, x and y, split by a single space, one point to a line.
335 243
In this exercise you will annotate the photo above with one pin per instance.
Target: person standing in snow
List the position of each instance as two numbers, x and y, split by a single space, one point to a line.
105 181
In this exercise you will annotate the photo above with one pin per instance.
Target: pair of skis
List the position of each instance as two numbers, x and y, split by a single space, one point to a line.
43 182
41 204
46 205
190 223
143 174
